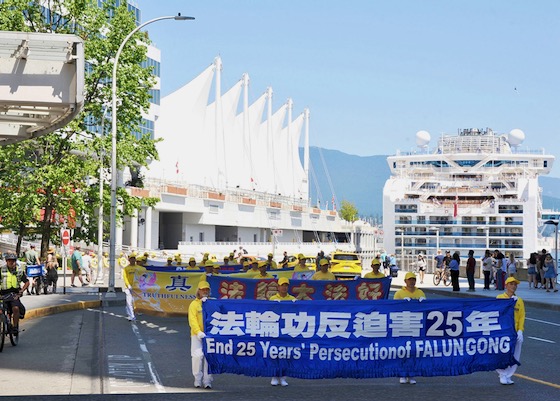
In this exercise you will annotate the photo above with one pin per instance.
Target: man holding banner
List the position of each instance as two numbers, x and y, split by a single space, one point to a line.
199 363
519 317
409 292
282 295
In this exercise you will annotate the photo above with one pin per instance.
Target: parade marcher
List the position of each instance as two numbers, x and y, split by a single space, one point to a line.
375 273
454 270
282 295
408 292
192 264
271 262
129 272
487 263
301 266
262 266
254 270
169 261
519 317
471 266
550 273
208 270
323 273
196 323
76 263
421 263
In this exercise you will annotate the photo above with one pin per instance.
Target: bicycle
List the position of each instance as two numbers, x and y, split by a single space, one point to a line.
442 275
6 326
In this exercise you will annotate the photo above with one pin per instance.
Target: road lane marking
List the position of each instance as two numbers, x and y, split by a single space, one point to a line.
537 381
542 339
543 321
148 359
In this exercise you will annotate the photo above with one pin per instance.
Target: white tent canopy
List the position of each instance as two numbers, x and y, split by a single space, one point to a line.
215 145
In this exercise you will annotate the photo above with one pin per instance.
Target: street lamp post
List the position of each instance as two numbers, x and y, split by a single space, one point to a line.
113 217
555 223
436 229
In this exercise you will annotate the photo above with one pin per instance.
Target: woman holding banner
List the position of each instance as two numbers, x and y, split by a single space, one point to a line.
519 317
199 363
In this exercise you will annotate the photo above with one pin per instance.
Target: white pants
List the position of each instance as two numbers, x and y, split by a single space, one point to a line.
129 303
510 370
199 363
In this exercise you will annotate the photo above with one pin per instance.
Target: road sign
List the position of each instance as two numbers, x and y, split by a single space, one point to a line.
65 236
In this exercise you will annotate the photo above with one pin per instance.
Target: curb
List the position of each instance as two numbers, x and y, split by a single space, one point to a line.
72 306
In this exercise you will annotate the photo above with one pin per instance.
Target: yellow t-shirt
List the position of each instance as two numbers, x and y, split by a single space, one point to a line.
277 297
373 275
323 276
404 293
299 268
130 271
519 314
195 317
259 275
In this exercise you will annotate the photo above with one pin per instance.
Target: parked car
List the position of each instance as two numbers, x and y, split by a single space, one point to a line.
345 265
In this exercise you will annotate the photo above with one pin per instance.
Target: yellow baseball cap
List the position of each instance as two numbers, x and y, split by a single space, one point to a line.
410 275
323 262
283 280
202 285
512 280
376 262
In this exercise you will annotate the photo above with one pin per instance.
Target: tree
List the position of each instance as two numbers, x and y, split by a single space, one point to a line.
44 182
348 211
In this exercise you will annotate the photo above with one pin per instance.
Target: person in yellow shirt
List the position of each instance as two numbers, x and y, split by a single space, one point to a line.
408 292
519 317
196 323
129 272
262 265
282 295
271 262
192 264
208 270
254 270
324 273
301 266
375 273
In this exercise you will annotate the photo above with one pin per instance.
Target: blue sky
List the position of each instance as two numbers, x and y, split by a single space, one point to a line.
373 73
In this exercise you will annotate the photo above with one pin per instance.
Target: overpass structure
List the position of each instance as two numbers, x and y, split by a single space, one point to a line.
41 83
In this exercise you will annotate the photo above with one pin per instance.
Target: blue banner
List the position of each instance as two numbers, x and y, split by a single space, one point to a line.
357 339
229 287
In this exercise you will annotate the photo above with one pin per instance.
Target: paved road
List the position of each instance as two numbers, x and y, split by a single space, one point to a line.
77 354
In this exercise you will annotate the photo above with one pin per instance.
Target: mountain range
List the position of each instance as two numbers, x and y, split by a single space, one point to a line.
360 180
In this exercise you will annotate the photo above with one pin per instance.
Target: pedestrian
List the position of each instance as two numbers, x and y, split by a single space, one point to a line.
471 265
511 266
408 292
375 273
52 270
454 270
323 273
196 323
550 273
76 263
32 259
281 295
421 263
519 318
532 270
129 272
487 263
86 265
500 273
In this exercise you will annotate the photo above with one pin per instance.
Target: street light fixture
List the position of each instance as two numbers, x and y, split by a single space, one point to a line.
555 223
113 217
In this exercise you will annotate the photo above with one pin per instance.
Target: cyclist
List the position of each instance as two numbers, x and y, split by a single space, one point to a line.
11 277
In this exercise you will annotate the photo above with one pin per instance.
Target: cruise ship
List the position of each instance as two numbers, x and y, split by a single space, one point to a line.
476 189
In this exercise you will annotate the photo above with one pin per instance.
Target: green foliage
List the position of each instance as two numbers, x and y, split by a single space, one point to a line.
48 173
348 211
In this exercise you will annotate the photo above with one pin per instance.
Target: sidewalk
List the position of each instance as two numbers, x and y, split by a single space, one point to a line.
73 298
95 295
531 297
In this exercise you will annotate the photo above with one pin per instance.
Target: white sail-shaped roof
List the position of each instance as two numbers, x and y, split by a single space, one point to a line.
218 145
